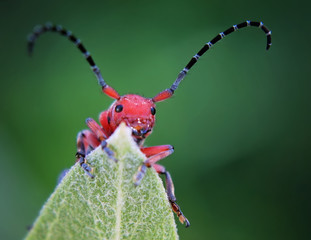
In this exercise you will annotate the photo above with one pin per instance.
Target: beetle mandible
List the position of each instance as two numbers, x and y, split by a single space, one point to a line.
136 111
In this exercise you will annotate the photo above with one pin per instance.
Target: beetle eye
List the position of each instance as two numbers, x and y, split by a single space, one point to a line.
153 111
119 108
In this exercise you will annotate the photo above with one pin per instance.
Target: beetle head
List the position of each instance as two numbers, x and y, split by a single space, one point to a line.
136 111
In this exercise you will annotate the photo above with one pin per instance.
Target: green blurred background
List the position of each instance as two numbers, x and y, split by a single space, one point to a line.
240 121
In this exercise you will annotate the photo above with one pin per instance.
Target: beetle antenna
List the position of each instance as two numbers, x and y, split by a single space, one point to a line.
48 27
167 93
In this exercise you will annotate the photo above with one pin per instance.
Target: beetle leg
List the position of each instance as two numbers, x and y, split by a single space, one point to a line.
85 140
102 136
171 193
153 154
108 151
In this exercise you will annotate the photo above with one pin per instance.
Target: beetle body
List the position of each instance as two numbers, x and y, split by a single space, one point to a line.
136 111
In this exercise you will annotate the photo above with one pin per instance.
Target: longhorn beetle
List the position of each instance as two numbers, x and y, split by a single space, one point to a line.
136 111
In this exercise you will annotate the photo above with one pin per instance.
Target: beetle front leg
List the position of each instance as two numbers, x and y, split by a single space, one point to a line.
108 151
171 193
85 140
153 154
101 135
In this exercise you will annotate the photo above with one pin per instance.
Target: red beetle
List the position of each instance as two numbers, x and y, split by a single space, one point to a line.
136 111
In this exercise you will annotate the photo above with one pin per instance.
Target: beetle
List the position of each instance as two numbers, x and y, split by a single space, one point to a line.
136 111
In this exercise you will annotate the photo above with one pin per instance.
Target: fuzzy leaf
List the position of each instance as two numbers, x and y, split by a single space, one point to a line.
108 206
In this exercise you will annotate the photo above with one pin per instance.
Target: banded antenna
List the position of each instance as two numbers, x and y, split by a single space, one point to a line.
167 93
48 27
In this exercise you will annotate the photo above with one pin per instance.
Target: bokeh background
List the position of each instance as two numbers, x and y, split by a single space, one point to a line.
239 122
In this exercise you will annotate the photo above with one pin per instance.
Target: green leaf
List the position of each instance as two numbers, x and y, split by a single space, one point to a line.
108 206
